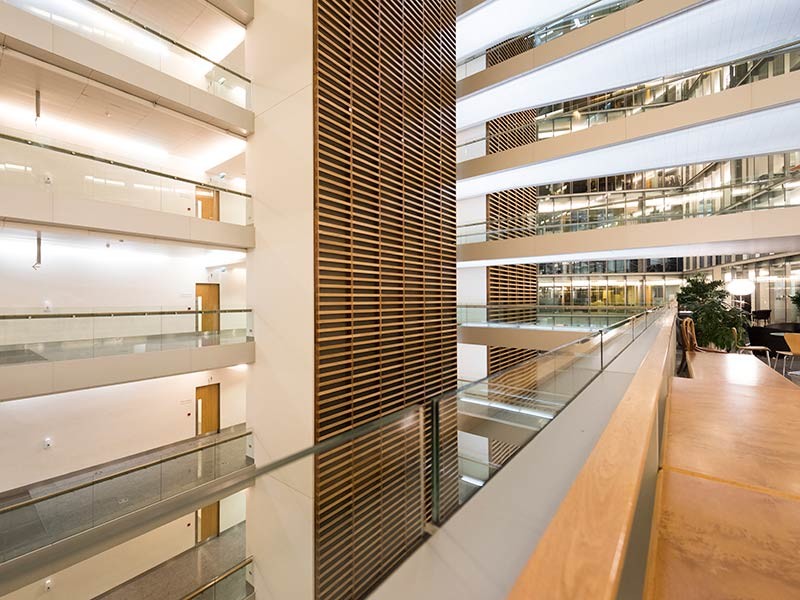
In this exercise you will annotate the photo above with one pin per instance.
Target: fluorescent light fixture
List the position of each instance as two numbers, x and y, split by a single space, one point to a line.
507 407
718 32
763 132
740 287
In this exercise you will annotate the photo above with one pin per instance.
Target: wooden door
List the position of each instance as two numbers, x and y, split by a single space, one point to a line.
207 409
207 201
207 522
207 298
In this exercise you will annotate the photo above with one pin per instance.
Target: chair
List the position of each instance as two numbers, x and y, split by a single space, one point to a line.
753 349
689 335
793 341
761 316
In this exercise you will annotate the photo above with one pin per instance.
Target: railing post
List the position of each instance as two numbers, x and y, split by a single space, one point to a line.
602 360
435 484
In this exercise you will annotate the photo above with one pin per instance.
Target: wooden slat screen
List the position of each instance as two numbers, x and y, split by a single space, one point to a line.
508 49
385 270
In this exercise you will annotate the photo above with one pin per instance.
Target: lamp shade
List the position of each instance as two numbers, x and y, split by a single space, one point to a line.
740 287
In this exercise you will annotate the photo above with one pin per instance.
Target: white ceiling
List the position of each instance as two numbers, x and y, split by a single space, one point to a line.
764 132
714 33
77 112
495 21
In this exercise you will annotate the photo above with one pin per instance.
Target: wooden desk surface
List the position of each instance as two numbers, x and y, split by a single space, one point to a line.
743 369
717 541
739 433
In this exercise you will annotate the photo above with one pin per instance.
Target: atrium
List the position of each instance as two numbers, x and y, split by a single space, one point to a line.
368 299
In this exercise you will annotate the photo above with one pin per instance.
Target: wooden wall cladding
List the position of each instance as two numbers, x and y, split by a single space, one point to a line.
508 49
385 273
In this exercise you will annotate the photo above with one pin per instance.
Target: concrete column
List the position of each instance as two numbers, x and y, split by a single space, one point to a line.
280 272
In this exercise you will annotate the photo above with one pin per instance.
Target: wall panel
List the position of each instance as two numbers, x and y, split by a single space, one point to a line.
385 274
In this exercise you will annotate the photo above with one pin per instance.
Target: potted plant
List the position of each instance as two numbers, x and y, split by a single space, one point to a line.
795 298
714 316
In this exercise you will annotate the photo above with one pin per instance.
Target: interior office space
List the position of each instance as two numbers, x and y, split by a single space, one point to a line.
363 299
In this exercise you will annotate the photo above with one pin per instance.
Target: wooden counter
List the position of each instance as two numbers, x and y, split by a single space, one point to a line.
727 517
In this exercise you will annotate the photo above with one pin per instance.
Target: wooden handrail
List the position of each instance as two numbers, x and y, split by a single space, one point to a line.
582 551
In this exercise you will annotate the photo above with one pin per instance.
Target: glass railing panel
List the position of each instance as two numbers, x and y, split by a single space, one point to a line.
28 169
625 103
133 40
234 585
34 336
58 510
570 213
533 38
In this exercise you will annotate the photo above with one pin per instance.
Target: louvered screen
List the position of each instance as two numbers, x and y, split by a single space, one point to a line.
508 49
386 284
512 214
501 452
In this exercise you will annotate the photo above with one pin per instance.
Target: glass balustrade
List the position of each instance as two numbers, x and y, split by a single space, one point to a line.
28 336
538 316
236 584
54 511
586 14
404 468
580 212
31 170
143 44
555 121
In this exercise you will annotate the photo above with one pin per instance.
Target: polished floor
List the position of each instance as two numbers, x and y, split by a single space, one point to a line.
190 570
88 504
93 348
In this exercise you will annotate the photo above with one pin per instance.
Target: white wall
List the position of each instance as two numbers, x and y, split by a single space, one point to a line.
280 271
108 569
90 427
78 271
471 285
472 362
232 510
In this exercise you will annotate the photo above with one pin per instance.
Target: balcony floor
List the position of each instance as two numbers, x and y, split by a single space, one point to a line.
181 575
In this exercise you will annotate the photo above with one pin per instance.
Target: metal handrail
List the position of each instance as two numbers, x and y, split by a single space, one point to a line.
218 578
115 475
148 313
166 38
107 161
630 91
771 184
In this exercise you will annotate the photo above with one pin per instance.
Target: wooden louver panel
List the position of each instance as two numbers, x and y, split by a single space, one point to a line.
508 49
385 276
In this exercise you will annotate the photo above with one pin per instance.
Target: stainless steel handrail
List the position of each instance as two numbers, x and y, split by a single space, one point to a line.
117 474
218 578
166 38
148 313
114 163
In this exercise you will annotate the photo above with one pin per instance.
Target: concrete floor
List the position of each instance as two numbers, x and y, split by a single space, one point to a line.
190 570
91 348
53 519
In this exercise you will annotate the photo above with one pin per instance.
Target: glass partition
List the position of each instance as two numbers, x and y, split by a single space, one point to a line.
27 336
28 167
143 44
52 512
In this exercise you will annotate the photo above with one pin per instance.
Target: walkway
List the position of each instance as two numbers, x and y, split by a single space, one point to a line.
190 570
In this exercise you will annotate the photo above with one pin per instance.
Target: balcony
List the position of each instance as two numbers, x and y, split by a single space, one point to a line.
47 513
48 184
92 39
46 352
